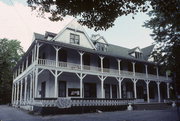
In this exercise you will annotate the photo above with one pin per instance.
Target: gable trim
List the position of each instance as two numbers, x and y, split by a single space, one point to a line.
84 32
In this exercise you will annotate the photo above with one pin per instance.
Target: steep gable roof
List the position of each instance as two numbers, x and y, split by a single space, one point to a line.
74 25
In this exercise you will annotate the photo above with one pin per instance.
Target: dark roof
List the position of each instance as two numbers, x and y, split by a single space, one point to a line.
119 51
147 51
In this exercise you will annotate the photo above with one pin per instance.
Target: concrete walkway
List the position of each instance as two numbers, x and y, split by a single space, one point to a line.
12 114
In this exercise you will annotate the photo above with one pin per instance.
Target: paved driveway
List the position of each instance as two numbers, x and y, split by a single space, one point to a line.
12 114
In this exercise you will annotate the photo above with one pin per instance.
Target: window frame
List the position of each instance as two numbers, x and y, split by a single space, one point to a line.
74 38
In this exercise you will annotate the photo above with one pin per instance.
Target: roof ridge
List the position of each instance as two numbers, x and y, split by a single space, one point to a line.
119 46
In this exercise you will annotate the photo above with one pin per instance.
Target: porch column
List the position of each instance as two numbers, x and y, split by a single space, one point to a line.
168 90
15 73
102 78
56 75
22 69
81 59
159 96
167 75
119 66
32 56
35 52
25 89
26 62
81 87
19 70
57 50
135 93
134 73
119 83
21 91
31 78
147 86
17 93
81 77
157 72
101 57
146 67
37 72
33 84
36 83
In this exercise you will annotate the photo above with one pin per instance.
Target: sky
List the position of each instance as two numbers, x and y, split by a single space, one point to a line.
17 21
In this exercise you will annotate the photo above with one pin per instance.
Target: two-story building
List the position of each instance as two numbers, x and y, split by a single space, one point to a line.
72 69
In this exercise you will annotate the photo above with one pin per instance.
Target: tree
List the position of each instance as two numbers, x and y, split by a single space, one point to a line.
99 14
165 23
10 53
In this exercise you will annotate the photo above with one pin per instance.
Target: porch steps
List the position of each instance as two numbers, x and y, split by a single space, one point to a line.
152 106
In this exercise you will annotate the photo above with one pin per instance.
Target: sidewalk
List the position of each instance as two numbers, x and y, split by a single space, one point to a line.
12 114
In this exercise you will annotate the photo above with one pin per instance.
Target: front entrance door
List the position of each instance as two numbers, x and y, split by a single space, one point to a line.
90 90
43 89
62 89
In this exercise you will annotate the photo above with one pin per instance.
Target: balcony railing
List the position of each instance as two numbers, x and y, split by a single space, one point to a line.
47 62
93 69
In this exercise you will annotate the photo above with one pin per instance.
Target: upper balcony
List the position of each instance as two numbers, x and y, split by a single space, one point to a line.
72 67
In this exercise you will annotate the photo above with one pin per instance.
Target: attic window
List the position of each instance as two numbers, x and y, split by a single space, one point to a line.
138 55
74 38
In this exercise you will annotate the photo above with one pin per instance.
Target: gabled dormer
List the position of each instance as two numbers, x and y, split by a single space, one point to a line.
136 52
74 34
99 42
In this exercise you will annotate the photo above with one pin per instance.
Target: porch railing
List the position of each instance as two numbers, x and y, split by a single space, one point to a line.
76 102
94 69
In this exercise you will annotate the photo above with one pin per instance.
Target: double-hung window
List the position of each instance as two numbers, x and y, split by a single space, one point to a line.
74 38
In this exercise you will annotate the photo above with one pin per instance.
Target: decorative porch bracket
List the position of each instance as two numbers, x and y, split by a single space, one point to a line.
119 66
101 57
57 56
135 92
81 77
81 59
102 78
120 79
56 74
37 54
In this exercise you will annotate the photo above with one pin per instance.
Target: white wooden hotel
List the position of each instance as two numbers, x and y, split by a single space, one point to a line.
71 69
